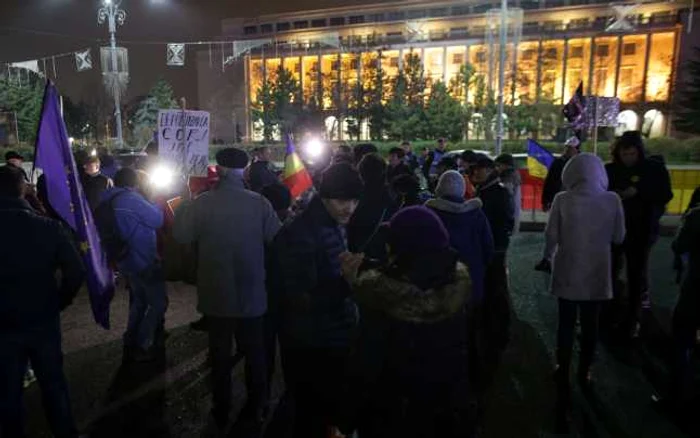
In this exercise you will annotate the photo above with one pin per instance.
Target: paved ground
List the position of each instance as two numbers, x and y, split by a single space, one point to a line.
170 397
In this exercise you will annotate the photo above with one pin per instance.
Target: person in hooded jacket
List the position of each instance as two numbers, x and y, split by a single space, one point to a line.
584 221
510 177
467 225
645 188
376 207
408 374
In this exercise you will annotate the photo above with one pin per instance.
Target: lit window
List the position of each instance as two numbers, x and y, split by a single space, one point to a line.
551 53
458 58
602 50
576 52
481 56
629 49
394 61
357 19
528 55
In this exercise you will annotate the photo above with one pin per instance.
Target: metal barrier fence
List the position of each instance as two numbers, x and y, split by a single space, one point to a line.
684 181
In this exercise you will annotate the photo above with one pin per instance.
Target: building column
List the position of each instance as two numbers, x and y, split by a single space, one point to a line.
444 65
591 67
248 123
646 68
466 86
538 78
617 67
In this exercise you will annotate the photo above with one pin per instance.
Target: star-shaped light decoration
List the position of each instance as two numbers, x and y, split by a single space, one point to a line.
619 23
416 31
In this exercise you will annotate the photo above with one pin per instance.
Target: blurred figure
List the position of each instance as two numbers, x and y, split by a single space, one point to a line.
13 159
552 182
465 163
408 374
407 191
686 315
261 173
319 317
231 226
645 188
409 157
510 177
585 220
433 158
362 149
397 164
445 164
376 206
343 154
30 304
93 181
109 164
497 202
467 225
280 198
136 221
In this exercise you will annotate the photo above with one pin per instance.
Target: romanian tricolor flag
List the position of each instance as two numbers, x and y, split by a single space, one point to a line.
296 177
538 159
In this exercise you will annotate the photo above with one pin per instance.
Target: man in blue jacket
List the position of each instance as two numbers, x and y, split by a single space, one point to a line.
30 304
318 316
137 221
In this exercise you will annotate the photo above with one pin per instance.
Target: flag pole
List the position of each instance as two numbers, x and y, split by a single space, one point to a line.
595 126
38 128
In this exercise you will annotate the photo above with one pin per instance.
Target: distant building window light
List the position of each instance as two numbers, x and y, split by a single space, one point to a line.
337 21
551 53
602 50
394 61
355 63
318 22
528 55
357 19
458 58
281 27
301 24
629 49
576 52
481 56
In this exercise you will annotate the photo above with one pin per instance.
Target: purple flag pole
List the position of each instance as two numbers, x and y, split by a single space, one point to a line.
65 194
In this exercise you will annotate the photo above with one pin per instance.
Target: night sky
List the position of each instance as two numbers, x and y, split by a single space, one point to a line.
31 29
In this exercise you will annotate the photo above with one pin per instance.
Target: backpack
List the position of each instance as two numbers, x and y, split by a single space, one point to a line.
114 245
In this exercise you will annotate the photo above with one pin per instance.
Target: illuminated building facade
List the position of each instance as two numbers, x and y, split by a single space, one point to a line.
563 43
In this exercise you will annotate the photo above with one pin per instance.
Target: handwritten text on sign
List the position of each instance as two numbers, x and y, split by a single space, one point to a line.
183 140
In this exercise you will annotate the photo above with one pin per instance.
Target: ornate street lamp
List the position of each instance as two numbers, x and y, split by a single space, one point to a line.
116 76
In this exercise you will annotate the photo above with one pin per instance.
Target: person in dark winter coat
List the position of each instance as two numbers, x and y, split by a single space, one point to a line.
397 165
407 192
686 315
30 305
410 158
645 188
319 318
362 149
497 202
510 177
260 173
408 376
376 207
94 182
467 225
433 158
552 182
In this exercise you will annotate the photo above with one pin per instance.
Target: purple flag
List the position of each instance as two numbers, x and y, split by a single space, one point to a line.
65 194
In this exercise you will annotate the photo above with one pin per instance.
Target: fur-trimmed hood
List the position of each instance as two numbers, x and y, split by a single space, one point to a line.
401 300
448 206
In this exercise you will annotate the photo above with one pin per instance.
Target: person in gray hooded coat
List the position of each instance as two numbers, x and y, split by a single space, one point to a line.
584 222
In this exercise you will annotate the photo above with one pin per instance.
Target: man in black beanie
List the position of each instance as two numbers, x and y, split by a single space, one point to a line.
318 315
231 226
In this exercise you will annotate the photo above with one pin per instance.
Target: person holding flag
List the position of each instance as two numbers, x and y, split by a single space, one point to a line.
552 177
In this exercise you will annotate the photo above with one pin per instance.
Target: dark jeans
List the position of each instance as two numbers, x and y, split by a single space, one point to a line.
588 311
148 301
314 377
41 346
636 259
250 341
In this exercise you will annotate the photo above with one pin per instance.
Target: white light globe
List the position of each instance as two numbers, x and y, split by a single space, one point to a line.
162 177
314 148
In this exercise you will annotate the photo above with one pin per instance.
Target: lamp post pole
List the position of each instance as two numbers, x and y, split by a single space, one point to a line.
501 74
114 16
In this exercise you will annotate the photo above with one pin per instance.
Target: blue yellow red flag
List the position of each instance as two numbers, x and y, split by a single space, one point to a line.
539 159
296 177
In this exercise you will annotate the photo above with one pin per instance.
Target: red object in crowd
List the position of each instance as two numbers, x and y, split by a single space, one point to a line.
531 191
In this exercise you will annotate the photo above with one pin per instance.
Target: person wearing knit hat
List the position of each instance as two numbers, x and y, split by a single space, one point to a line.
232 227
319 316
467 225
412 307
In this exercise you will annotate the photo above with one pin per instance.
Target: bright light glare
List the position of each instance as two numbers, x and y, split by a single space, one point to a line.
314 148
107 2
93 152
162 177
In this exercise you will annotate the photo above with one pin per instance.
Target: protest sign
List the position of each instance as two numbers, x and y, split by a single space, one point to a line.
183 140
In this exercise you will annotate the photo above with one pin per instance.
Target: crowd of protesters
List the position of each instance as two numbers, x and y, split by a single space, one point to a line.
384 289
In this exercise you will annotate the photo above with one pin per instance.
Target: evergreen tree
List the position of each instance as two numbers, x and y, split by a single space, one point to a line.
405 109
25 100
286 100
263 110
443 114
688 112
144 121
459 88
375 97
